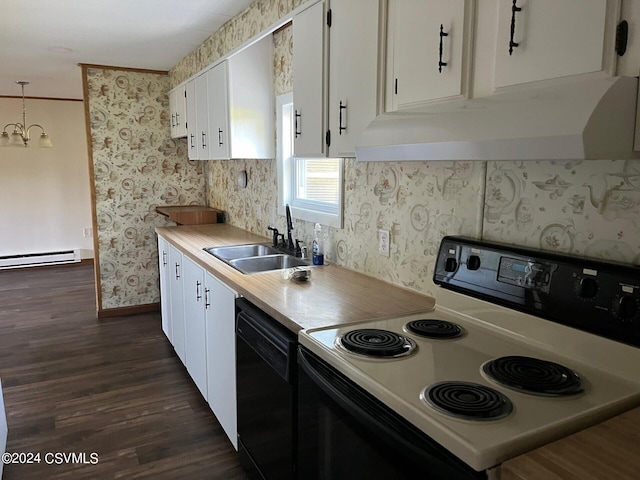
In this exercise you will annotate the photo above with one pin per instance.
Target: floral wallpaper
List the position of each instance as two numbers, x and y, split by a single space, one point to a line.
256 18
136 166
589 208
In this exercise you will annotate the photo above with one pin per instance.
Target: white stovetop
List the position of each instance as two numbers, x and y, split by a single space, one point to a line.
535 420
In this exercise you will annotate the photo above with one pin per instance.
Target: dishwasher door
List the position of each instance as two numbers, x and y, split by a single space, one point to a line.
266 389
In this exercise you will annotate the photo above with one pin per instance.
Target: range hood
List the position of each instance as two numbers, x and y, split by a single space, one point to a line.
584 119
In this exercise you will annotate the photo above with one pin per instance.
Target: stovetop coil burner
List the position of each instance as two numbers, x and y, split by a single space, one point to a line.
433 328
533 375
376 343
467 400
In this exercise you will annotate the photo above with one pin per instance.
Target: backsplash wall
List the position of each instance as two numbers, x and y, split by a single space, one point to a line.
588 208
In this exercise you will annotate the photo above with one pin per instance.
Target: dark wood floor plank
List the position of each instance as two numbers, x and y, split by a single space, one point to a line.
73 383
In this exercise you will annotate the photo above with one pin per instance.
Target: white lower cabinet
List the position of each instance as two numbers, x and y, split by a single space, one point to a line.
165 297
220 311
198 318
195 333
176 288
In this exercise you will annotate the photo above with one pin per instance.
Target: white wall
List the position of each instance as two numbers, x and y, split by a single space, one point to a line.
44 193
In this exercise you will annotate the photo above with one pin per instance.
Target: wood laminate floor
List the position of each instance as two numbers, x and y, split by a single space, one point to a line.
111 387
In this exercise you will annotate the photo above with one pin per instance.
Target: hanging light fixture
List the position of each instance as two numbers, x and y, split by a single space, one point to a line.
21 133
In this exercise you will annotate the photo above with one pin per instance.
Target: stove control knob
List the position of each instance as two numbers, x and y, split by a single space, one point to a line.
588 288
473 262
450 264
625 307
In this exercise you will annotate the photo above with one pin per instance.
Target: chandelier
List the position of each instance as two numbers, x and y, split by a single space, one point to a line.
21 133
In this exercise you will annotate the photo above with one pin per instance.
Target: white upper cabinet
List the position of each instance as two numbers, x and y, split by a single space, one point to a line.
202 138
178 111
335 76
230 107
218 108
540 40
251 109
428 51
353 72
192 127
309 82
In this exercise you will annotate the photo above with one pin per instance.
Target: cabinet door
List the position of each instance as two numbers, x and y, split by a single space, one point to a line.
202 118
180 110
428 45
165 295
177 302
217 100
554 39
221 354
172 111
353 72
309 95
192 122
195 339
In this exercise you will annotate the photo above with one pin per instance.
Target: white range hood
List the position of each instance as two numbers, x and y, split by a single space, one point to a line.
584 119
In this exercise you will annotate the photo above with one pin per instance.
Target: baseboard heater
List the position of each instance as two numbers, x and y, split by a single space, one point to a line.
39 259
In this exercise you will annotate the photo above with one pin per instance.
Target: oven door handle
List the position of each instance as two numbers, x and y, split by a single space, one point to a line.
379 422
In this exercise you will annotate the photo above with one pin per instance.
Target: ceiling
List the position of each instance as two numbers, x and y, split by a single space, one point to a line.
43 41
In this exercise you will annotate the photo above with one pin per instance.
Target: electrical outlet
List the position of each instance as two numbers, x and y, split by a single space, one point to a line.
87 232
383 242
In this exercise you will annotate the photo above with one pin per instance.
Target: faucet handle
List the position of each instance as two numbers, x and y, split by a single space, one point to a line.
301 249
275 235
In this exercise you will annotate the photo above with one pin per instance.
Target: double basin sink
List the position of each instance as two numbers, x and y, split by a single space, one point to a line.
256 258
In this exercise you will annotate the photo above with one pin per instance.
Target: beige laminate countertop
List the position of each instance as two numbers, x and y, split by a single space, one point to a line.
333 295
607 451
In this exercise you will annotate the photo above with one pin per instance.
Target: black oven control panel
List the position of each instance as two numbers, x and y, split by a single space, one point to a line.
525 273
592 295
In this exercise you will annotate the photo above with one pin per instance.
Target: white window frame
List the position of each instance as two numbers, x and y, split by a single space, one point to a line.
314 212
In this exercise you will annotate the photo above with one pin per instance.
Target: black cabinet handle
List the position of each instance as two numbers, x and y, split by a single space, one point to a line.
219 137
177 271
198 294
340 127
164 259
206 298
514 10
204 140
191 145
297 130
177 121
173 123
440 62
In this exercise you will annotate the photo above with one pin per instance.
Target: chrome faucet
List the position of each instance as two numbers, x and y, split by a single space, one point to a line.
290 244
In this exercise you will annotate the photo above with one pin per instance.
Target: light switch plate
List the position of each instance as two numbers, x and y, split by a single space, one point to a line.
383 242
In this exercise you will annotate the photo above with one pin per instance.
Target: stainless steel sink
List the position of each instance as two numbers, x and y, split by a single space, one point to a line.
232 252
267 263
255 258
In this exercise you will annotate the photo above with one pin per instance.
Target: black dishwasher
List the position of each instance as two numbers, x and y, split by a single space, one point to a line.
266 394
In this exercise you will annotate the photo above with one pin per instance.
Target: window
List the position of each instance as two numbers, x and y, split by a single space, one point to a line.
311 186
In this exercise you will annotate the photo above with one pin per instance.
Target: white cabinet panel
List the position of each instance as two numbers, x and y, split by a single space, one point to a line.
202 139
309 81
221 354
192 121
178 110
428 47
195 335
165 294
353 72
176 287
554 39
217 102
